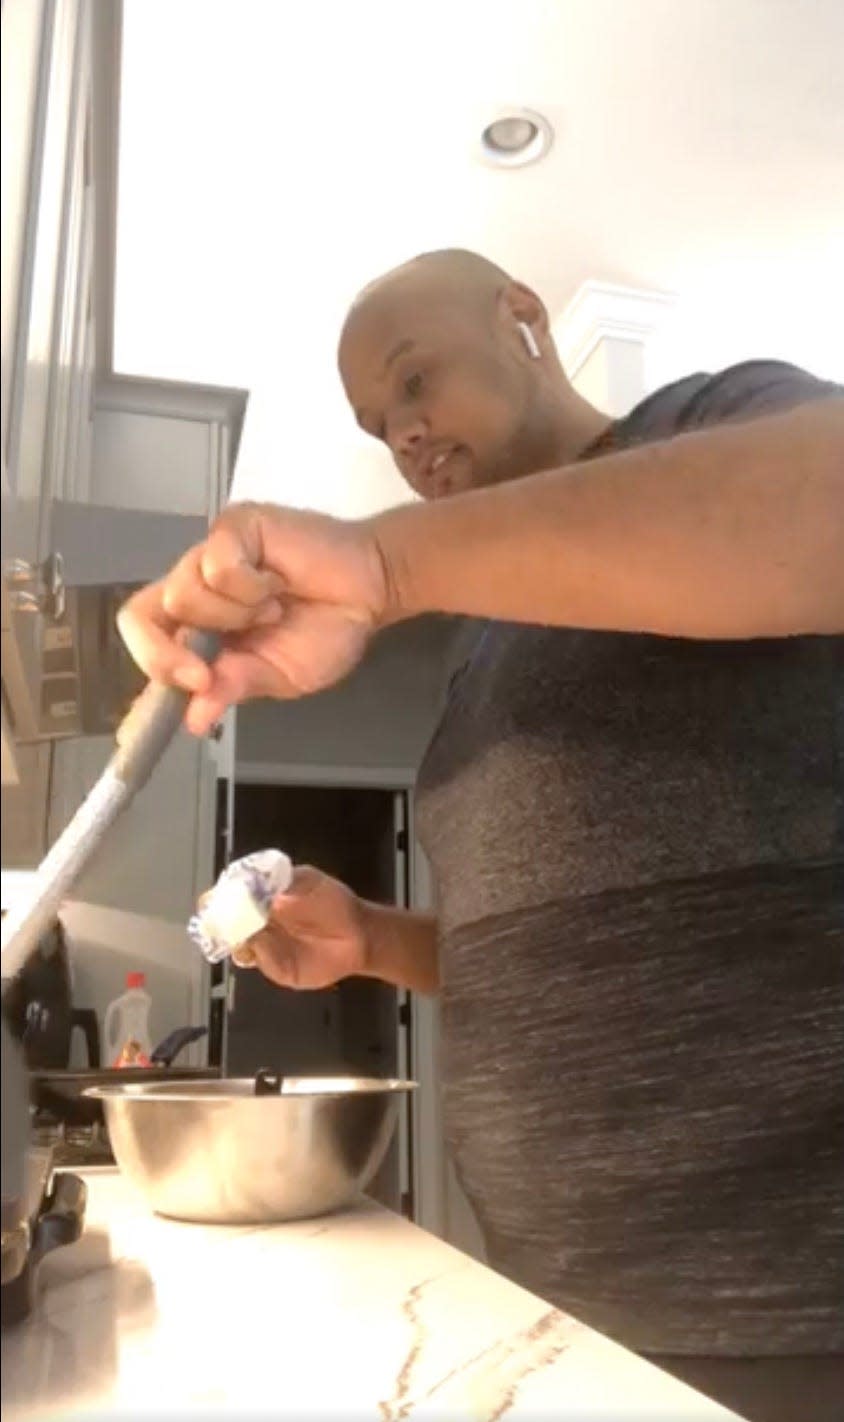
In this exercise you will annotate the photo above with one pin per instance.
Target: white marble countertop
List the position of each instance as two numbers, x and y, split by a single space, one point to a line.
360 1316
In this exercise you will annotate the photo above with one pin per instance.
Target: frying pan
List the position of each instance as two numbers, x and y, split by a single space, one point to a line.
61 1093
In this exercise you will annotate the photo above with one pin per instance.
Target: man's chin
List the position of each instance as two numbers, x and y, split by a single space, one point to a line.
451 484
501 471
463 480
456 486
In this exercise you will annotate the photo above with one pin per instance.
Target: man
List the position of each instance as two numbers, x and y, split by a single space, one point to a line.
631 806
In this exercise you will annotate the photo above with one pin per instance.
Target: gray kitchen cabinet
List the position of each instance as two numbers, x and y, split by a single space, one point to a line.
61 406
155 461
21 117
47 276
59 108
74 355
160 472
43 71
47 257
162 445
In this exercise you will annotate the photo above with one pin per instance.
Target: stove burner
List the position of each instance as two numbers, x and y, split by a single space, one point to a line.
73 1145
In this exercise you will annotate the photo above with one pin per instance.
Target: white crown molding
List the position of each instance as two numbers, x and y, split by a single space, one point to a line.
602 311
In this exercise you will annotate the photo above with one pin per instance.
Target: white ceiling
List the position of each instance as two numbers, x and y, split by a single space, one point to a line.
276 156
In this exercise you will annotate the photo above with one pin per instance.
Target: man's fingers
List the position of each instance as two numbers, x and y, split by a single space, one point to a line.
237 676
148 632
204 712
231 598
188 601
304 881
276 957
228 564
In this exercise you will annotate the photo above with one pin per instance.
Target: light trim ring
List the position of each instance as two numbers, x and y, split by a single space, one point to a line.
515 138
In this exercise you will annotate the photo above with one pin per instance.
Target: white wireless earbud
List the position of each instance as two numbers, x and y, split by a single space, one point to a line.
530 341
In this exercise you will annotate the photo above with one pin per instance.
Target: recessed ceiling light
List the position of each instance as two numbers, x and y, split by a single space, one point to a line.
515 138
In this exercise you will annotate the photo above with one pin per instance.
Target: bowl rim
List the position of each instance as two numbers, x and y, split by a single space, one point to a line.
243 1089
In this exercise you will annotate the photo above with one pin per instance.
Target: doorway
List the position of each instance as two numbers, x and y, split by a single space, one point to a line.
358 1027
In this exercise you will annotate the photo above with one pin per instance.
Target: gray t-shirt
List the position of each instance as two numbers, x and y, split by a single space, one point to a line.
638 852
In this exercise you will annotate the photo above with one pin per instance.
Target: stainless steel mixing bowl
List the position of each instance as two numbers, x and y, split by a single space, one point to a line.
218 1152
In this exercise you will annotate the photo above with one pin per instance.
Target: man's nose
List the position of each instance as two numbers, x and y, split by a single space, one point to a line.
408 437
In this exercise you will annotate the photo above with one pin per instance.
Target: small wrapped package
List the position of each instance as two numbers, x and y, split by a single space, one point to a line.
239 905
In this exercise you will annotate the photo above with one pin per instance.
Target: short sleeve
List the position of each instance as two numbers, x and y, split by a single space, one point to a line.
756 387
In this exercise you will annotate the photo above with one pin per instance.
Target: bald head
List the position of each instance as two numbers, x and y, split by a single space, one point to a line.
452 273
450 362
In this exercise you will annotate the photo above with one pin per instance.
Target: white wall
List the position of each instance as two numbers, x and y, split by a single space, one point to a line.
619 344
749 310
108 943
612 377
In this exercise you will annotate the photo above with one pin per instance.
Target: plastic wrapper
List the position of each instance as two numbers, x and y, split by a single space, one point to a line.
239 905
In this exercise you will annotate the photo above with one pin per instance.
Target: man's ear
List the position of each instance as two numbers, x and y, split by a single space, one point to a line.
524 305
525 320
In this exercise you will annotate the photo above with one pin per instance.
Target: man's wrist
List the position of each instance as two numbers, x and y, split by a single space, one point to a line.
397 544
372 938
401 947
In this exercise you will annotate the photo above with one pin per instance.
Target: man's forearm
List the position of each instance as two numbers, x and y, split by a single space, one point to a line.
727 533
402 947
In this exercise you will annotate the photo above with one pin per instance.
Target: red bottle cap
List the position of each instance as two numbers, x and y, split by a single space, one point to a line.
135 980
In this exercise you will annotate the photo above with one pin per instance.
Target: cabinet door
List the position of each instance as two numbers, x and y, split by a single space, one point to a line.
80 414
32 292
41 64
144 460
26 38
75 278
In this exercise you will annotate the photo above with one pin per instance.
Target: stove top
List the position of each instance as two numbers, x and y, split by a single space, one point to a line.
74 1146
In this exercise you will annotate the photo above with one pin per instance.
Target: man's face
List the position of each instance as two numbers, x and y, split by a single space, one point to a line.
445 387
